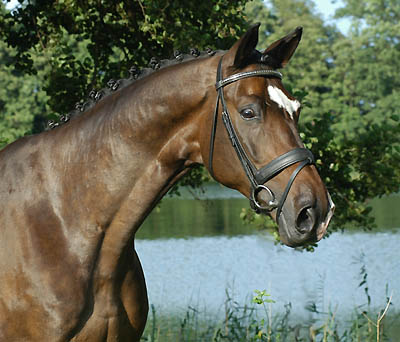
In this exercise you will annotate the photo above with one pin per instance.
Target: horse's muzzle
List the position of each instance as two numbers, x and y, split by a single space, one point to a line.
306 225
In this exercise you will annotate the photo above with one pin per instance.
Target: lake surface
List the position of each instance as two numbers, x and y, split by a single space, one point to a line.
193 250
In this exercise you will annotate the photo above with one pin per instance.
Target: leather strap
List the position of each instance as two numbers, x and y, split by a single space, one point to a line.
282 162
269 73
212 138
288 186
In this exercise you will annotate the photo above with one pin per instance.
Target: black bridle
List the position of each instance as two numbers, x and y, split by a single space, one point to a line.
257 177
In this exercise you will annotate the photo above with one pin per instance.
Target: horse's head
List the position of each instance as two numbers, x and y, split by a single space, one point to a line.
255 146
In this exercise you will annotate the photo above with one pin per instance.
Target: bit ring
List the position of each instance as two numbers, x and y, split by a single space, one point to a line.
272 204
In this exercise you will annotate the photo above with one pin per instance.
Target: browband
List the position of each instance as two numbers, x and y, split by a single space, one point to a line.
240 75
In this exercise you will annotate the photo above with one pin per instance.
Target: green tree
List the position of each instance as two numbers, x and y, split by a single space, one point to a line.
87 43
365 84
22 102
367 65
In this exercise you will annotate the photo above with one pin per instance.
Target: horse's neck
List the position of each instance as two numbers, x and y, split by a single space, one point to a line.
132 147
146 143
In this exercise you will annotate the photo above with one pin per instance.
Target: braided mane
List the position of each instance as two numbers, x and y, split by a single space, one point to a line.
134 74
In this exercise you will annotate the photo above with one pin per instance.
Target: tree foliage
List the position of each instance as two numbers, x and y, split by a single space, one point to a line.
22 102
55 52
86 43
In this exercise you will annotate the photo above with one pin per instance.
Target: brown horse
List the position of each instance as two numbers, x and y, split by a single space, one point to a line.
72 198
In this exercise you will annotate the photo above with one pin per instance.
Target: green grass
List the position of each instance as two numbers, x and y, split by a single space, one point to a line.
257 322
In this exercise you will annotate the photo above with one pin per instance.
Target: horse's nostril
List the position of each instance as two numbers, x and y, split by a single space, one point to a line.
306 220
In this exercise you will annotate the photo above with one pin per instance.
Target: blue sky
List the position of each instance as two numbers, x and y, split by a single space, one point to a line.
327 6
327 9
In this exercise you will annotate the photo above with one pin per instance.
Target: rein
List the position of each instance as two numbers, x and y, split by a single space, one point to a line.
257 177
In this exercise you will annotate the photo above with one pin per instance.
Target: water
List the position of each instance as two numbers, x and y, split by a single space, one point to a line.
192 251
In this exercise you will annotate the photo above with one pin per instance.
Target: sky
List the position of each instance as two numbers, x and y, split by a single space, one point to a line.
327 9
327 6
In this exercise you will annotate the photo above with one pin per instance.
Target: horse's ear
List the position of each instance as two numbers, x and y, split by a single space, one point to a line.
278 54
240 52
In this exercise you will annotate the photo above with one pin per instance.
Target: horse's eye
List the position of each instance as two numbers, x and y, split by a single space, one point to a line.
247 114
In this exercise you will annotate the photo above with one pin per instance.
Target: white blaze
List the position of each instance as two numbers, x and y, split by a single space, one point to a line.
283 101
